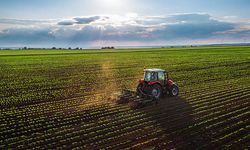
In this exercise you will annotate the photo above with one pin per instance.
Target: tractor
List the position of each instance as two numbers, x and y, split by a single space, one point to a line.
156 84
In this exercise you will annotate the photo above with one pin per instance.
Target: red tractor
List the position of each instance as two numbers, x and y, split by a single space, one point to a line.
156 84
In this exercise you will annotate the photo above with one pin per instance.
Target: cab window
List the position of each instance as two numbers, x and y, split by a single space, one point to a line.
147 76
161 76
154 76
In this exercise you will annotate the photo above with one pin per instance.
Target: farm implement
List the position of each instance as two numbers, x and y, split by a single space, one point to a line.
155 85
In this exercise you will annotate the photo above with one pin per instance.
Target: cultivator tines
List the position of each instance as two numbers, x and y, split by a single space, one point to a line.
129 92
131 98
126 96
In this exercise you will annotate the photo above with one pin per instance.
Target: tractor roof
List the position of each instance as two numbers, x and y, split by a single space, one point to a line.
154 70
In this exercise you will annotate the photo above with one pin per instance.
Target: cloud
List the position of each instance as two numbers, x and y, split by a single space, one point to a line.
123 29
86 20
66 22
79 20
198 26
191 18
23 21
22 36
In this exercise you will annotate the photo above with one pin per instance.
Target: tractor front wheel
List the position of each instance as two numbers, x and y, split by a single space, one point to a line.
174 90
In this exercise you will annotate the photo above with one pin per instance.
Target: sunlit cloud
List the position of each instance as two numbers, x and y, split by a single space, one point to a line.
122 30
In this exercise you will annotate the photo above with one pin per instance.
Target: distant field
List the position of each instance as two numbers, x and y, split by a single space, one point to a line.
60 99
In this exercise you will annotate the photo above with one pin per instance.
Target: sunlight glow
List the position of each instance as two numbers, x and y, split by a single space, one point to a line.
112 2
111 5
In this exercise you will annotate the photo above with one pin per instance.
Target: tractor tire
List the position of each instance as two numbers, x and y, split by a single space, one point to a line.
174 90
157 91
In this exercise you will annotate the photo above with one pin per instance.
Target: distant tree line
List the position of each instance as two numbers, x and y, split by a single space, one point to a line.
53 48
108 47
69 48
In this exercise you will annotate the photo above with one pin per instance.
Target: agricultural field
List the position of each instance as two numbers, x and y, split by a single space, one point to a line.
62 99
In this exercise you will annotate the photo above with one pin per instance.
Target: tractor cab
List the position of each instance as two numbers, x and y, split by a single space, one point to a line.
151 75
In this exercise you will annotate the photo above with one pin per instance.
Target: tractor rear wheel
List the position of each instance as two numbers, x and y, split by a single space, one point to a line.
174 90
156 91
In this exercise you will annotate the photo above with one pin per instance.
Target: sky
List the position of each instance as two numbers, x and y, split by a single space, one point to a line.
97 23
